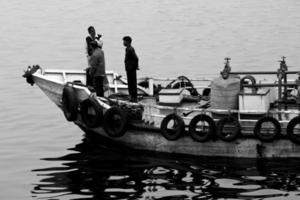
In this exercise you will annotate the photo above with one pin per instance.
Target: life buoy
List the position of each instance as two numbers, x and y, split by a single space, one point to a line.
230 123
267 135
69 103
177 127
208 128
91 112
290 130
115 122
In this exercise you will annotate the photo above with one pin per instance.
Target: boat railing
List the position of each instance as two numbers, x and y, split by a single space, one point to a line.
210 111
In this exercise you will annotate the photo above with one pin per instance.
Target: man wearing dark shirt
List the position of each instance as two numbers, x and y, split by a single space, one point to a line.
131 65
97 71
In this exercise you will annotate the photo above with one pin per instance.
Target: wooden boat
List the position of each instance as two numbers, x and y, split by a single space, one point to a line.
245 119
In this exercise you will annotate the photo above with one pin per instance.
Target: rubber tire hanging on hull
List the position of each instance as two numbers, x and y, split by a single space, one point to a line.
268 137
115 122
290 130
202 136
228 137
178 127
69 103
91 120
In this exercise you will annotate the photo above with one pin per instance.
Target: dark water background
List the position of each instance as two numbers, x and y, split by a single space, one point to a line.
44 157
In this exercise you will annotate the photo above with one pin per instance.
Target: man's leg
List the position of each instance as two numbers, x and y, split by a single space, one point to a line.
134 86
89 79
98 85
128 73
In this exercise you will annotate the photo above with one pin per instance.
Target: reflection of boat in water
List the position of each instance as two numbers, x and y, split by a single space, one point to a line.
95 169
99 172
233 115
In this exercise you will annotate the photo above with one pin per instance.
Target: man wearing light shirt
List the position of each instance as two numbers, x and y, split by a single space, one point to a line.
97 71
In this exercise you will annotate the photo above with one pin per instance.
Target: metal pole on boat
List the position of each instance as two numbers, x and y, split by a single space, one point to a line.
279 91
227 64
269 85
284 68
282 75
298 89
151 86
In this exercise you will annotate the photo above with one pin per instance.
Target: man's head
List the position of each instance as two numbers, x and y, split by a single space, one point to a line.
92 31
127 41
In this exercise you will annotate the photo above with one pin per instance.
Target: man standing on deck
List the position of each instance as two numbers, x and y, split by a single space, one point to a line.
131 65
97 71
89 50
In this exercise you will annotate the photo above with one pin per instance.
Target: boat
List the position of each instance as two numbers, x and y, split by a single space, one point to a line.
232 115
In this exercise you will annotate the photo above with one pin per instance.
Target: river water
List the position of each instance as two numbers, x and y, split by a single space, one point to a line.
43 156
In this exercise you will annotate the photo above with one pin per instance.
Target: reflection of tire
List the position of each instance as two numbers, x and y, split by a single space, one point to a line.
91 112
203 135
267 137
178 127
234 126
115 122
290 130
69 103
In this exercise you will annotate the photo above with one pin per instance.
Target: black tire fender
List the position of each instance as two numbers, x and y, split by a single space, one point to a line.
228 137
86 107
202 136
178 127
290 130
115 122
69 103
269 137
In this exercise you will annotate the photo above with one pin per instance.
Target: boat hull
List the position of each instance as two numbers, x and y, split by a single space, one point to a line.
52 89
152 140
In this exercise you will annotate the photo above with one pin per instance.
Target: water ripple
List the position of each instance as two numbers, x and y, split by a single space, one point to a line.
95 170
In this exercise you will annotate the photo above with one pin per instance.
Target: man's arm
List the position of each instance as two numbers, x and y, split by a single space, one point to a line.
135 58
88 45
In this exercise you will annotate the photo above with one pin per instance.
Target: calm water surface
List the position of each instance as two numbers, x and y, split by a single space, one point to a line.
44 157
